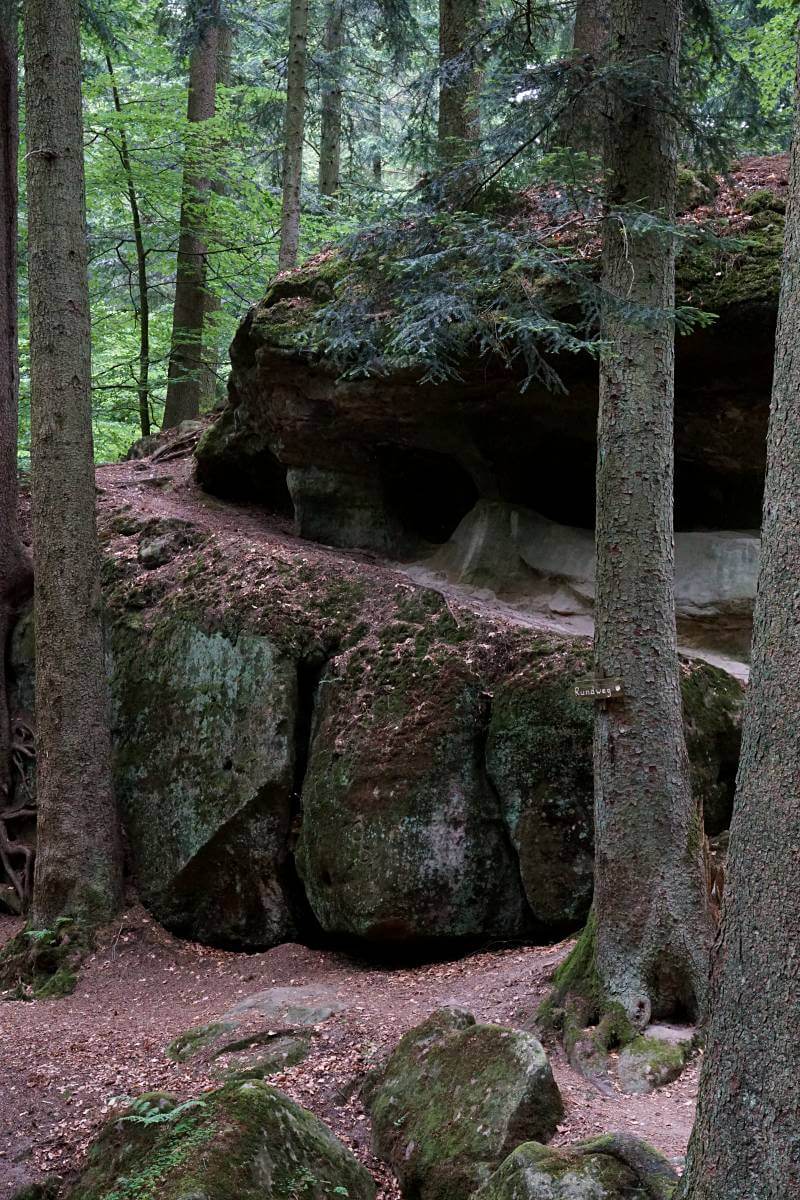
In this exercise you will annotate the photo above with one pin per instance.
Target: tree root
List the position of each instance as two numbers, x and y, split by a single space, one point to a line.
578 1011
19 873
654 1172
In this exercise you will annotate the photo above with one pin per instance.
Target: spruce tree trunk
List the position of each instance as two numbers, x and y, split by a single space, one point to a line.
582 125
78 865
653 923
294 132
746 1139
15 571
459 90
330 153
212 349
186 365
143 375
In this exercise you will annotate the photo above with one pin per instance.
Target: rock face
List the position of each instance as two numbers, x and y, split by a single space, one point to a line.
613 1167
454 1099
308 747
204 766
543 567
387 461
246 1141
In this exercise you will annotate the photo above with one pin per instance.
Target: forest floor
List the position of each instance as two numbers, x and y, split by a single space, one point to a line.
66 1062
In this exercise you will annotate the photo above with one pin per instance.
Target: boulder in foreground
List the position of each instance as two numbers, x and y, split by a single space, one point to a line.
243 1142
455 1098
611 1167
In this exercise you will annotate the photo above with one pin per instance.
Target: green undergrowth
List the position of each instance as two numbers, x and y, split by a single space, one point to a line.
42 964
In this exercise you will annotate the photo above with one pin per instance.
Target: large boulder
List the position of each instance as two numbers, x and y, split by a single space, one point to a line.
544 567
403 837
455 1098
204 766
611 1167
245 1141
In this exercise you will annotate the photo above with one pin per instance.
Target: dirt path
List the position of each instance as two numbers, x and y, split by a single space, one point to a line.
64 1061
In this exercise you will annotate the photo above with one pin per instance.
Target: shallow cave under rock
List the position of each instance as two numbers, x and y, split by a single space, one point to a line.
492 487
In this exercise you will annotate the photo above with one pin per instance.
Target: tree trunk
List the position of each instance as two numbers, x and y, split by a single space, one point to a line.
78 865
459 89
143 376
294 132
330 153
746 1140
186 365
15 572
212 351
581 128
377 150
653 923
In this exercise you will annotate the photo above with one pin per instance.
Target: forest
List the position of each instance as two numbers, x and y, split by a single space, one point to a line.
399 641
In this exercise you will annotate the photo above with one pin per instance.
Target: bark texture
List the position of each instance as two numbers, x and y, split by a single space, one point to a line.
582 125
746 1139
14 565
187 367
459 89
294 132
78 866
330 152
123 150
653 924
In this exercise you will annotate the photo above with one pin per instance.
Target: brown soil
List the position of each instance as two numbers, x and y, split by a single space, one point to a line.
66 1062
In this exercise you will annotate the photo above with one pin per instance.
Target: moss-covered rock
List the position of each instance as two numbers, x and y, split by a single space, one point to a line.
538 757
204 764
654 1059
605 1168
454 1099
403 837
246 1141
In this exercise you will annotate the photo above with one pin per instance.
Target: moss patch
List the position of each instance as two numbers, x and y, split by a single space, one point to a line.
243 1142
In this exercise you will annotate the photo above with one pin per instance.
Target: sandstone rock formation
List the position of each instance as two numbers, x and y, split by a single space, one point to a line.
314 747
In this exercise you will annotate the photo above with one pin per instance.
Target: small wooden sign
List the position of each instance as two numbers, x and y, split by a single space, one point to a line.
599 689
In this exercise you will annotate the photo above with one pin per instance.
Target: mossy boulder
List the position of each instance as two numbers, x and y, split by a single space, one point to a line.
204 760
655 1058
245 1141
403 837
538 757
454 1099
604 1168
539 761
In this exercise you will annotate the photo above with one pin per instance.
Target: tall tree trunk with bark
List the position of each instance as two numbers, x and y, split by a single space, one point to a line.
123 150
186 365
653 923
212 351
330 152
746 1140
294 133
581 127
459 89
78 864
15 571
